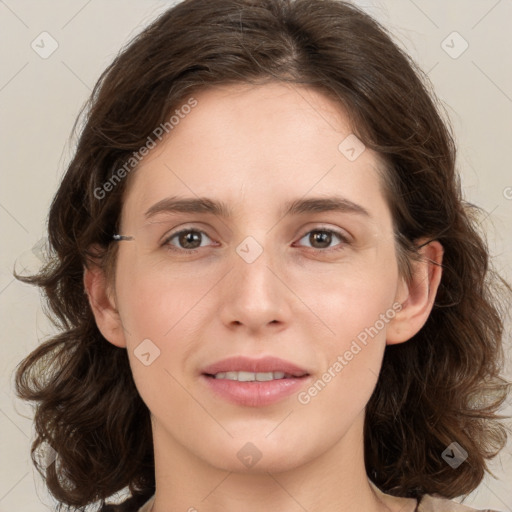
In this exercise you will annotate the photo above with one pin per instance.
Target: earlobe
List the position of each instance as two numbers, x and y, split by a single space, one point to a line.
418 295
103 305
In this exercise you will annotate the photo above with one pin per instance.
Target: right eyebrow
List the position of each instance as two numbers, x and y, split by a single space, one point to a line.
189 205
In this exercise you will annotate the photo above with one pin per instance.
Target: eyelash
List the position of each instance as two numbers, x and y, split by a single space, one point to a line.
341 236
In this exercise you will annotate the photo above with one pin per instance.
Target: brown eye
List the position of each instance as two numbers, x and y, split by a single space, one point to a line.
187 240
321 239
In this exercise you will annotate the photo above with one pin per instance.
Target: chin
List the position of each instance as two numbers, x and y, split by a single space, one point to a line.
259 456
269 463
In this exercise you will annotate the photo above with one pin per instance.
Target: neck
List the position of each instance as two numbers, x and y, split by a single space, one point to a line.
335 480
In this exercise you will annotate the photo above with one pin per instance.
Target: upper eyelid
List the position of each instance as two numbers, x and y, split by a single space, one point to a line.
173 232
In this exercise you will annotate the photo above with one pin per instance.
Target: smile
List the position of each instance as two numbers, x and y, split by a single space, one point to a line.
253 382
243 376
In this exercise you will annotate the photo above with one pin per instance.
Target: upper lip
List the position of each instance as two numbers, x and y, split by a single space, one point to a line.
260 365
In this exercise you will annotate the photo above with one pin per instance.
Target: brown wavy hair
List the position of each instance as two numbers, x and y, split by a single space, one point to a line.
441 386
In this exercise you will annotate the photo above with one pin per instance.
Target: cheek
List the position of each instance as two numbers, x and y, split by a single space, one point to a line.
357 311
158 314
351 299
357 306
152 299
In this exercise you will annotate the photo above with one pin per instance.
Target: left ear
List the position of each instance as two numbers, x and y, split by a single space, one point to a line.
417 296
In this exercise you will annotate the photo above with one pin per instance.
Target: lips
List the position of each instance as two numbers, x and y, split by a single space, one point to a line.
252 376
261 366
253 382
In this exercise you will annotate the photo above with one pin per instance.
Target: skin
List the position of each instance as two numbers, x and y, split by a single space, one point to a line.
254 148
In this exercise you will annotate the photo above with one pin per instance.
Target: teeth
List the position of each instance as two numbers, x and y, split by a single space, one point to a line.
251 376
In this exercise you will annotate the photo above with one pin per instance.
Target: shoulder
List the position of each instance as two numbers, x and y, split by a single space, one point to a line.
428 503
141 503
146 507
433 503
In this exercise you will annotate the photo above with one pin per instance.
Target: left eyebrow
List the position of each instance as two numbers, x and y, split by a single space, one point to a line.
221 209
324 204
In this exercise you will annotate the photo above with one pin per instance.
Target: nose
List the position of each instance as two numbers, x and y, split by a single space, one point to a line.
255 295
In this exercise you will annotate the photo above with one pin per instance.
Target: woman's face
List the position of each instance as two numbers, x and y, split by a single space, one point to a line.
263 289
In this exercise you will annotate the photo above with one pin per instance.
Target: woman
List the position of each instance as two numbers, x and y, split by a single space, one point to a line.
271 293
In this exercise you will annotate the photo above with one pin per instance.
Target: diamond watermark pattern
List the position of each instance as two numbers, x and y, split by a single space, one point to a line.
249 455
454 455
45 455
351 147
146 352
454 45
44 45
38 250
249 249
29 262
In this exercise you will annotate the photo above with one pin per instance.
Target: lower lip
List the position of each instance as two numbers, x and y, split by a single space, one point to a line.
254 394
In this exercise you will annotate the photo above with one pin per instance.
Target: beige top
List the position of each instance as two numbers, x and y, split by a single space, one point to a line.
428 503
147 506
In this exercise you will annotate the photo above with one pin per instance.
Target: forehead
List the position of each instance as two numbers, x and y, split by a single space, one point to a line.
251 146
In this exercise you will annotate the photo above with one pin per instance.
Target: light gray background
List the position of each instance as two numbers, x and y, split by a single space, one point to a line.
40 98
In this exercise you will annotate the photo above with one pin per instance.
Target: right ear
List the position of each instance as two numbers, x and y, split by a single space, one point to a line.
102 302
